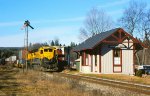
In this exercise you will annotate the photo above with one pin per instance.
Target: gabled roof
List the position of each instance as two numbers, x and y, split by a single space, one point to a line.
95 40
92 41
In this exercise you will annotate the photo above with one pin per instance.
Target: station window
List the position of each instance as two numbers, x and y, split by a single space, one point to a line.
117 53
117 57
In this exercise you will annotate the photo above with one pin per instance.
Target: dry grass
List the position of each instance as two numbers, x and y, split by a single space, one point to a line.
133 79
34 83
128 78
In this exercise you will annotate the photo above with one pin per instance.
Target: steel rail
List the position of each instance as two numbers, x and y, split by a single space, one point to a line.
135 87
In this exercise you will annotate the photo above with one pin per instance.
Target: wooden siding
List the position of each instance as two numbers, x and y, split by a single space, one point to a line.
97 64
91 56
93 59
100 60
127 58
117 69
127 62
106 60
86 69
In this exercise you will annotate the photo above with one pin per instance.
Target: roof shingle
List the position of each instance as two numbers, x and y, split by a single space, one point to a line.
92 41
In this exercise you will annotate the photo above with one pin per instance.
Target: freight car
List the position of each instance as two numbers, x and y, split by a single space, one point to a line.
48 58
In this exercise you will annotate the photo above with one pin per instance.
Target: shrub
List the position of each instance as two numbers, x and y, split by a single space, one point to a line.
139 73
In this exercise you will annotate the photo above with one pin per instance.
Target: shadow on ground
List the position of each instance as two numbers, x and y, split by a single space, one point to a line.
8 84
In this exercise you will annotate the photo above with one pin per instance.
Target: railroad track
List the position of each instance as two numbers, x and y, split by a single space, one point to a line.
139 88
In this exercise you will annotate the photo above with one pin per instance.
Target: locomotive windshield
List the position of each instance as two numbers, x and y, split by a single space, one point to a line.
48 50
45 50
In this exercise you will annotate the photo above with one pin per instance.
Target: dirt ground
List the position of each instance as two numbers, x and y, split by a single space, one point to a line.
15 82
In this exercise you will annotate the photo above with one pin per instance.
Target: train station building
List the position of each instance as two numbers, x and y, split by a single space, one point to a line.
110 52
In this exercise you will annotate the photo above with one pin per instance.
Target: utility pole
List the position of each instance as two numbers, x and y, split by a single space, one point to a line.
27 24
27 49
68 56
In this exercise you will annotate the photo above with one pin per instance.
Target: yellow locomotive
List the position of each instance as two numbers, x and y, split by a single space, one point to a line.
46 57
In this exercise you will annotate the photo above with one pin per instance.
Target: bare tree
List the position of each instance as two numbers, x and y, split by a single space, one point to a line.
136 20
133 15
145 25
97 21
83 34
145 34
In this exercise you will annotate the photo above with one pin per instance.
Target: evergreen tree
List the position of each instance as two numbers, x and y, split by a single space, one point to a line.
56 42
52 43
72 44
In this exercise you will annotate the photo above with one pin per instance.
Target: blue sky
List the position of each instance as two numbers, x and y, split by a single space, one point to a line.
51 19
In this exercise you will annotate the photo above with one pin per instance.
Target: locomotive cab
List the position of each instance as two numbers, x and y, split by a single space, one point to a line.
47 52
45 57
48 58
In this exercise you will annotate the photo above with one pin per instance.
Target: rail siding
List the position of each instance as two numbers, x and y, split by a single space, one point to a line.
139 88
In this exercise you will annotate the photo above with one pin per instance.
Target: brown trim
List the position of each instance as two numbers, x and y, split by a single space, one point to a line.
120 62
113 59
91 63
128 42
133 58
120 41
134 39
123 38
88 59
83 58
118 65
99 60
117 71
115 37
119 35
